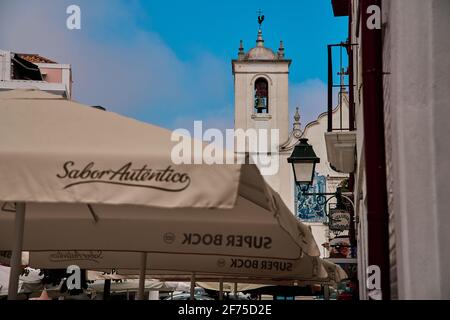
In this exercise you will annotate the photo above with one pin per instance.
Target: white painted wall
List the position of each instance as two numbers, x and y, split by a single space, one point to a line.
360 182
417 120
419 98
276 73
5 65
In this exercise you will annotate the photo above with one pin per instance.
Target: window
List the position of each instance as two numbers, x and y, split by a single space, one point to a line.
261 96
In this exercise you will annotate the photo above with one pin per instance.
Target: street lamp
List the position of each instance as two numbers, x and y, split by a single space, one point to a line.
303 160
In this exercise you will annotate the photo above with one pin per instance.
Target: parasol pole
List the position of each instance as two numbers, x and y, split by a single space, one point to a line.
141 292
192 286
221 289
16 257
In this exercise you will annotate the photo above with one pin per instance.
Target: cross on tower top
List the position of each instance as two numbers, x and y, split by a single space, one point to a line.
342 75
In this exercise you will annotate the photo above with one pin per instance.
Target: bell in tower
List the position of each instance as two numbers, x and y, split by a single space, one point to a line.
261 96
260 105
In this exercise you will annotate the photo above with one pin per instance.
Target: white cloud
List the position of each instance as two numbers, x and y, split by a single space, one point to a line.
134 71
222 119
128 70
310 97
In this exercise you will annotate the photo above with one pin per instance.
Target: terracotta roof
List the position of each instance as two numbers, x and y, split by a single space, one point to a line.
34 58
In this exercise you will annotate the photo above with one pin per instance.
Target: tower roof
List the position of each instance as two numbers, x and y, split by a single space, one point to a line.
260 52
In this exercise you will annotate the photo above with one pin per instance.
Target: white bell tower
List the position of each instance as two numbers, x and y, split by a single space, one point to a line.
261 88
262 101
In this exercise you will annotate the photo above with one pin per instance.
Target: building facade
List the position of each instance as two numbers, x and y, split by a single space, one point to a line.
400 69
261 82
25 71
262 102
310 209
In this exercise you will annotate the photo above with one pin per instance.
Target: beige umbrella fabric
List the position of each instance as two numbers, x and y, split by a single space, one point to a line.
248 272
245 230
229 286
261 270
336 274
89 174
133 285
56 150
36 154
179 267
93 275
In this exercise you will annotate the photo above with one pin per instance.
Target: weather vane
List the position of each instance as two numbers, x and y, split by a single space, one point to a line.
260 18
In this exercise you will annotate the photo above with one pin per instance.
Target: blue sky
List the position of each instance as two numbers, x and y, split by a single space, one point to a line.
168 62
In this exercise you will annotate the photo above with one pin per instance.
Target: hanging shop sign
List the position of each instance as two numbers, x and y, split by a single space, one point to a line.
340 247
339 220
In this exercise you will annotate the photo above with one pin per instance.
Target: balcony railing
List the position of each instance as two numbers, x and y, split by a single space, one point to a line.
341 140
342 85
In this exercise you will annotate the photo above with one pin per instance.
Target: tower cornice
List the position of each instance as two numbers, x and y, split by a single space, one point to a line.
235 62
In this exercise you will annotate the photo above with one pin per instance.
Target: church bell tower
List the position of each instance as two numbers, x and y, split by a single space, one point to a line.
261 88
262 101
